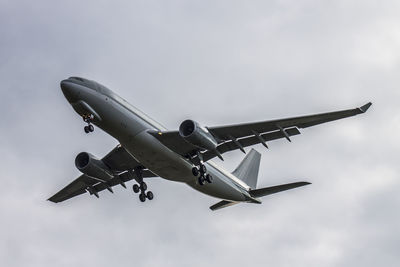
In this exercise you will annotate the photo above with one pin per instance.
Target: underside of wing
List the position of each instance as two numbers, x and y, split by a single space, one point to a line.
221 139
122 166
247 129
75 188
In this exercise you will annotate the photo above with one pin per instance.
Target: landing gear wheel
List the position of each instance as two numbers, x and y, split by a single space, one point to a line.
90 127
201 180
86 128
142 197
203 168
143 186
150 195
195 171
135 188
209 178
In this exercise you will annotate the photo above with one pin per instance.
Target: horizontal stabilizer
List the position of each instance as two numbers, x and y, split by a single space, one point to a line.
275 189
222 204
256 193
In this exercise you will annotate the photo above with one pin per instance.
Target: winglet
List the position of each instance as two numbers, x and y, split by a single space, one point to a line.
364 108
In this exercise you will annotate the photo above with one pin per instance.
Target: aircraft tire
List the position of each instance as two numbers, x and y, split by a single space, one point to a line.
203 168
91 128
195 171
86 128
209 178
142 197
143 186
136 188
201 180
150 195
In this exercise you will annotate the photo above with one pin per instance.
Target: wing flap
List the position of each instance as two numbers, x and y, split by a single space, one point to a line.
249 141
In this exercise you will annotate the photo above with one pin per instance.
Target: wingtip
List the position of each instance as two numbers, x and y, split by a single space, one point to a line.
364 108
53 199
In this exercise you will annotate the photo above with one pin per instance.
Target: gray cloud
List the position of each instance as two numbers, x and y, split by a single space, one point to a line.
217 62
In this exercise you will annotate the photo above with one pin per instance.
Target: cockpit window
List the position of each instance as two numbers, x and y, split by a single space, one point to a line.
104 90
78 79
85 82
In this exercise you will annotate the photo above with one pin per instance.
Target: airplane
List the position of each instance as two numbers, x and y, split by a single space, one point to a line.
147 149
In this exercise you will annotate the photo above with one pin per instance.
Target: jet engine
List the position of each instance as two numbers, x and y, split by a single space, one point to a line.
93 167
196 135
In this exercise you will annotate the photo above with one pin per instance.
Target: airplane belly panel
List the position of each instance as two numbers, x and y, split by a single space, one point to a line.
158 158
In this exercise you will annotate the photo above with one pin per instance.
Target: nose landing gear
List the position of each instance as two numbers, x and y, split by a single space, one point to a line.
88 119
89 128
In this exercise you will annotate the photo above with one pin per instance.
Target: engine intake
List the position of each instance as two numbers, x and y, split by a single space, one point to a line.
196 135
93 167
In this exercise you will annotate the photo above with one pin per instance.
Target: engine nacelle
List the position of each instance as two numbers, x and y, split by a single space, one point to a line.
92 166
196 135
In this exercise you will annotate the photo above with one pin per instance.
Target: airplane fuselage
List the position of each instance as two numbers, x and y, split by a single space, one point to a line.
130 127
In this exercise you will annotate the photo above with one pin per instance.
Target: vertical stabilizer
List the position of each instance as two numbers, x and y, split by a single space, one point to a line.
247 171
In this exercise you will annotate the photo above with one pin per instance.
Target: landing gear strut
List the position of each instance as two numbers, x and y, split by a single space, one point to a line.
88 119
142 187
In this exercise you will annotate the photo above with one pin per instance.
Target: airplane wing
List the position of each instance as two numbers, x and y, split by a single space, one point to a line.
238 136
120 163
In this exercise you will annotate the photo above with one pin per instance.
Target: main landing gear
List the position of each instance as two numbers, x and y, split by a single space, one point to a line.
204 176
88 119
142 187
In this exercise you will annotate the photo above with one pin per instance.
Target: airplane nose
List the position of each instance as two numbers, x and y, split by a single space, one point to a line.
69 90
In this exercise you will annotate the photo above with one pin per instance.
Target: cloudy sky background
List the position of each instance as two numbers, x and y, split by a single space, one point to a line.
217 62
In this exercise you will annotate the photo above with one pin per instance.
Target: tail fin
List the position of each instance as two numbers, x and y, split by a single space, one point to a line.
247 171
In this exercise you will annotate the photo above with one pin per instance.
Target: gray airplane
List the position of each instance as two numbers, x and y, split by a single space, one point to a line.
147 149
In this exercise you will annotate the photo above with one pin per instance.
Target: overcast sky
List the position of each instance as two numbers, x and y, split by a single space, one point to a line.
217 62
